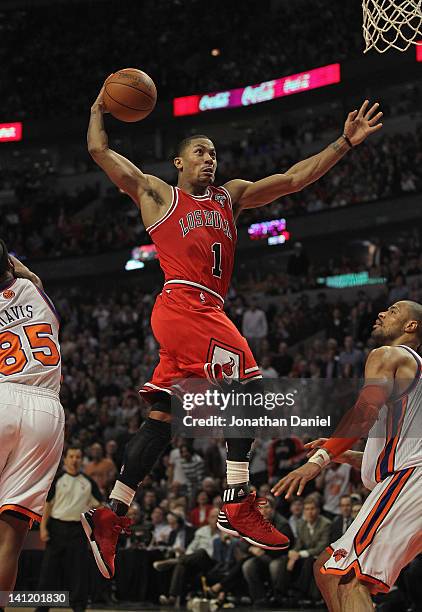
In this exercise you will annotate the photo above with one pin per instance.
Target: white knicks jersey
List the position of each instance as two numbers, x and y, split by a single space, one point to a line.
29 336
395 440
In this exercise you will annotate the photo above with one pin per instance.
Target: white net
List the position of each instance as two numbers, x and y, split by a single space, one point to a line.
391 24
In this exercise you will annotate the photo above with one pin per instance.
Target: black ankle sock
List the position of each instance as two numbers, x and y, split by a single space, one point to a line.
119 507
234 494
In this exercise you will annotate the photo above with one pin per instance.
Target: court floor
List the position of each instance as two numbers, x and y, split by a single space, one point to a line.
141 608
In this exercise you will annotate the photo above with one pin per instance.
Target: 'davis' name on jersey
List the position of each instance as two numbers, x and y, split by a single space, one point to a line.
15 313
204 218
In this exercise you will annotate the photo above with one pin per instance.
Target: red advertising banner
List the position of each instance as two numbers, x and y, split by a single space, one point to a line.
261 92
10 131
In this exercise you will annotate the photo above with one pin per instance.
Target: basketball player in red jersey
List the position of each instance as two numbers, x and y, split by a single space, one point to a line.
193 227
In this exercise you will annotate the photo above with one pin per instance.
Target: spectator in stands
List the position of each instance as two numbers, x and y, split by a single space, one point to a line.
342 522
111 452
198 559
210 486
267 369
254 327
214 458
198 516
148 503
282 361
351 357
176 472
331 364
356 507
160 528
283 455
181 534
399 290
336 326
296 515
193 467
100 468
334 482
296 569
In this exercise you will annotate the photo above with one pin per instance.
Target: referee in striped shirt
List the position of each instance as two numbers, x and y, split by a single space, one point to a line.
64 563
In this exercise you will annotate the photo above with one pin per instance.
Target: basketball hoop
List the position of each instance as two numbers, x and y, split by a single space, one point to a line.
391 24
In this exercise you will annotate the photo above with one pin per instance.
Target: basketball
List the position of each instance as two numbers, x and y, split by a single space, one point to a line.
130 94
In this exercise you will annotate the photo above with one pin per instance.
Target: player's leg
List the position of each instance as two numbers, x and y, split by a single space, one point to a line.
354 595
13 530
141 453
104 525
26 476
327 584
240 515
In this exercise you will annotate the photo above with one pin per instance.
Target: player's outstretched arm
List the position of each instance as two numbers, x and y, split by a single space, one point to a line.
359 125
120 170
380 372
351 457
21 271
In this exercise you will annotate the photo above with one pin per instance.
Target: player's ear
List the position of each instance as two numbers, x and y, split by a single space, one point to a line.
411 326
178 163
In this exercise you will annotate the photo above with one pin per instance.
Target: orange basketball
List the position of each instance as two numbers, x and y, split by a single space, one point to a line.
130 94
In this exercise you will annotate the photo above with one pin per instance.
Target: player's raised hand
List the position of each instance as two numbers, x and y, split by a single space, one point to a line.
362 123
295 482
99 102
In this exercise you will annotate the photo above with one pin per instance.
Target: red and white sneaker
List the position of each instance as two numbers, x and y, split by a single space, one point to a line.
103 527
243 519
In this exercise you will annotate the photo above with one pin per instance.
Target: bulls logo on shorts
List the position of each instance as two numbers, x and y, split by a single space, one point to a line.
8 294
228 360
228 368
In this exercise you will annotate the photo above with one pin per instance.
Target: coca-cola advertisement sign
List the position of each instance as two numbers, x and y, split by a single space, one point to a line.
260 92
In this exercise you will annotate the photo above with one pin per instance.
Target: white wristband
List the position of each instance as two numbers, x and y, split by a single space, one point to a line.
321 458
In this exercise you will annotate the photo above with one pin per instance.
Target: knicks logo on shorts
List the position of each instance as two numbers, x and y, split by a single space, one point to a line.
340 553
8 294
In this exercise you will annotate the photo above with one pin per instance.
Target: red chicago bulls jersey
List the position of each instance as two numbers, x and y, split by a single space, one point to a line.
196 240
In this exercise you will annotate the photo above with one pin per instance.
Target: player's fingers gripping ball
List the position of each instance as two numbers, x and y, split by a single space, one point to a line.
129 94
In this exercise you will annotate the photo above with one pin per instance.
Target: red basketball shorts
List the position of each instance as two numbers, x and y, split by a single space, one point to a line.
197 340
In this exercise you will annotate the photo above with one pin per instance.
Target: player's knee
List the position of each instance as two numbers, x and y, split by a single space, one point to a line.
161 406
161 409
159 415
13 530
321 578
348 584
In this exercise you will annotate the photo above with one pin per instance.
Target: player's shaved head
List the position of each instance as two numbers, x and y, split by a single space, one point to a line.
4 258
187 141
414 312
